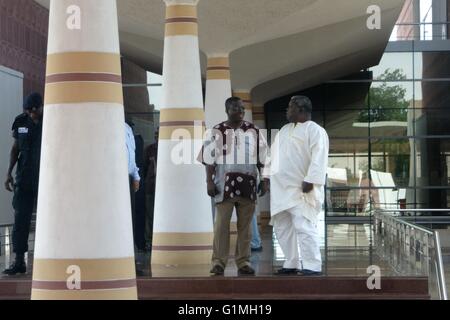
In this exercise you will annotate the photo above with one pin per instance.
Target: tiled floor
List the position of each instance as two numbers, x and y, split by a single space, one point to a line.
347 253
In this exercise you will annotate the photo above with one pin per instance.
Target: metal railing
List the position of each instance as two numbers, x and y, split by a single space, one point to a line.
423 31
409 248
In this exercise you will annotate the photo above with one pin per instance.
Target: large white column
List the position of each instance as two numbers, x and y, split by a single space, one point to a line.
183 231
84 243
246 97
218 89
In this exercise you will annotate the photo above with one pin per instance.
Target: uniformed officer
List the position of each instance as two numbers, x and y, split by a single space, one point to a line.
26 150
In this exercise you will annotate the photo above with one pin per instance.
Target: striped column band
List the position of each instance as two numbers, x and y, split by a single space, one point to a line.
181 20
176 122
78 77
71 279
246 98
258 113
218 69
182 248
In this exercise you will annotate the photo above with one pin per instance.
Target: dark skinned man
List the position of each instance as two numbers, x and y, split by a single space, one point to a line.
234 155
25 152
298 172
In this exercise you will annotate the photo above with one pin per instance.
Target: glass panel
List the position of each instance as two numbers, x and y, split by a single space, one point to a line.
394 66
349 159
431 65
433 162
348 167
390 113
432 122
348 95
392 162
346 123
390 95
432 94
433 198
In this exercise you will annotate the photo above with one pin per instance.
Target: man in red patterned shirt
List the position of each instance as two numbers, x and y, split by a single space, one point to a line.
234 155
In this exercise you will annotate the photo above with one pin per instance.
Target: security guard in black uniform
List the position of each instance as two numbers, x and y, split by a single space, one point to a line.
26 150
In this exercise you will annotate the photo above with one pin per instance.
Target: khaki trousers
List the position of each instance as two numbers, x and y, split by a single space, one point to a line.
221 247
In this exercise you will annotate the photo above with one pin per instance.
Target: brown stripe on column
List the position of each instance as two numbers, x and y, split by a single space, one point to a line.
94 77
85 285
174 20
113 294
182 114
83 62
218 75
91 269
187 239
181 248
83 92
218 68
181 29
181 10
181 123
243 95
219 62
184 257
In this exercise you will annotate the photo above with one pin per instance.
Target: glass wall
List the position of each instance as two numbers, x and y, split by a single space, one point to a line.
389 129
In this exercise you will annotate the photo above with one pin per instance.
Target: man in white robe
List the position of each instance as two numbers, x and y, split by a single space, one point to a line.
298 173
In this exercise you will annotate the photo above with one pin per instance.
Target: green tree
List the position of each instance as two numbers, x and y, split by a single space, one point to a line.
386 102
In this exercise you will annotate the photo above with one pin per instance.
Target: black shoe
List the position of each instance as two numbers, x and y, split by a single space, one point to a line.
259 249
246 271
16 267
307 273
217 270
286 272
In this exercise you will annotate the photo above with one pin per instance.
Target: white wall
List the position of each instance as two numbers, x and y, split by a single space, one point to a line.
11 97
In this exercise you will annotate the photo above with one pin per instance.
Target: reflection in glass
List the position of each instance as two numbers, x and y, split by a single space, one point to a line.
394 156
346 123
391 61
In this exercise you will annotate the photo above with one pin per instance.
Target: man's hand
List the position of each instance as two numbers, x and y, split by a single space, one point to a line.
264 187
307 187
212 190
136 185
9 183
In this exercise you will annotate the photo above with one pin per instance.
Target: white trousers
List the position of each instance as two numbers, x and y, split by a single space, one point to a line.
293 230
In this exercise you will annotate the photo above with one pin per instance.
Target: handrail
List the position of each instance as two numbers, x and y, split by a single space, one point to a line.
440 267
433 233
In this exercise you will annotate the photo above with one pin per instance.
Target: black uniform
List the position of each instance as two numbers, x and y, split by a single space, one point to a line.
28 135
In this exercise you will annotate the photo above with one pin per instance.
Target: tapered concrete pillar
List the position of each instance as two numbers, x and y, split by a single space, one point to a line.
218 89
183 231
84 243
247 99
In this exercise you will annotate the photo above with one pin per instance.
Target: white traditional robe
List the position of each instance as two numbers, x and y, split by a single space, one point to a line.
299 153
